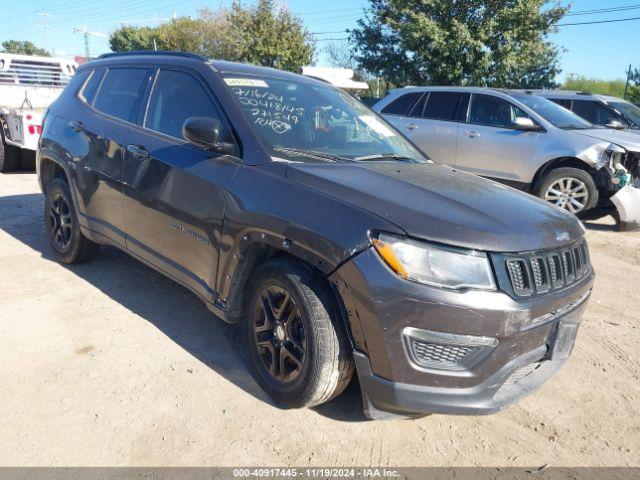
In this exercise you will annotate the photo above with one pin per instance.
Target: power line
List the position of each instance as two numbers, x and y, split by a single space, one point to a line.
599 21
603 10
324 12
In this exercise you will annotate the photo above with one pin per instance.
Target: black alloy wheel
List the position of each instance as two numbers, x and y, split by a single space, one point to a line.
280 334
60 222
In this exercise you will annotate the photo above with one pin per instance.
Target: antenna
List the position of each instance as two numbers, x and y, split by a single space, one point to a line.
45 25
85 31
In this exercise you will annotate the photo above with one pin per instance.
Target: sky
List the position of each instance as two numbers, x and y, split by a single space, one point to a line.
602 50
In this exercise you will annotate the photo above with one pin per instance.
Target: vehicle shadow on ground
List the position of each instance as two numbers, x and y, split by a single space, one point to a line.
173 309
600 226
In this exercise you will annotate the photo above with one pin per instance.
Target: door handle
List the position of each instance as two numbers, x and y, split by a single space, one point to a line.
472 134
138 151
412 126
77 126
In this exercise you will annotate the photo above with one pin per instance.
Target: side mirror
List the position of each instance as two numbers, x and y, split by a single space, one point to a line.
204 132
615 124
526 124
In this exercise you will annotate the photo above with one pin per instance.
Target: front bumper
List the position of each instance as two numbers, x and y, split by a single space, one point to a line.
528 349
627 202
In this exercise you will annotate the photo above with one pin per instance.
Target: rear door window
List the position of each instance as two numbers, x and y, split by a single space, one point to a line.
121 92
403 104
494 112
442 105
177 96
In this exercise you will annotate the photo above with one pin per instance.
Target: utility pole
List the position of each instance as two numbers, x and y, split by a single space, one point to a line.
45 25
626 85
85 31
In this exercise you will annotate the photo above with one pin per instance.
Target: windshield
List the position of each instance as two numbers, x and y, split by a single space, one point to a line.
309 121
554 113
629 110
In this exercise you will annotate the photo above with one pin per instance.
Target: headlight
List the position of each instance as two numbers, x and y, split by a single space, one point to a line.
435 265
611 152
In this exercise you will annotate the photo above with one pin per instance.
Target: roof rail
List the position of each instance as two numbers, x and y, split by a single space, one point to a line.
154 52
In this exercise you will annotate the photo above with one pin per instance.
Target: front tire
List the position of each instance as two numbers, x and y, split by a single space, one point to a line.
61 223
571 189
296 345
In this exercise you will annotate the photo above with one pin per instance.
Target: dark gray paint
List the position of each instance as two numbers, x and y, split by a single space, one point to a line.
199 217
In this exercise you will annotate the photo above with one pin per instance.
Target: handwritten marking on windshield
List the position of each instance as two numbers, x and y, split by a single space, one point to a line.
269 109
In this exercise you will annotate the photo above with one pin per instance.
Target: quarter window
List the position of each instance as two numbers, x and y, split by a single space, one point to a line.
121 92
494 111
402 105
177 96
90 88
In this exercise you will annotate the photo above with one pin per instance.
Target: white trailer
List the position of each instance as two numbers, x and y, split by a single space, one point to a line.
28 85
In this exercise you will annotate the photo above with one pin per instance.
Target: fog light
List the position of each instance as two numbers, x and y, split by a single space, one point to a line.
445 351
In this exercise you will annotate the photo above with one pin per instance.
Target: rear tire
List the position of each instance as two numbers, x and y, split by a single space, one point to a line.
61 224
292 318
9 157
571 189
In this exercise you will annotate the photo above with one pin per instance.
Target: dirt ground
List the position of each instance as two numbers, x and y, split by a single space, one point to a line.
110 364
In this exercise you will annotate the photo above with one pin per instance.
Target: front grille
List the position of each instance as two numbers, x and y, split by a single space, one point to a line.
428 354
539 272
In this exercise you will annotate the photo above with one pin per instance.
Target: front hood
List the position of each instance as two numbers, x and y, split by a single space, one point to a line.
627 140
441 204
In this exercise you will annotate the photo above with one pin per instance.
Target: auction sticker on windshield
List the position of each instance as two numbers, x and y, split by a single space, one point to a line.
245 82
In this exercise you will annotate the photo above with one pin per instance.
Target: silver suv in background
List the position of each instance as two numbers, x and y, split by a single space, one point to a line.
524 141
601 110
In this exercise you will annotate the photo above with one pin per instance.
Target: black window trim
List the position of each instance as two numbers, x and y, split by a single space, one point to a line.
104 75
146 101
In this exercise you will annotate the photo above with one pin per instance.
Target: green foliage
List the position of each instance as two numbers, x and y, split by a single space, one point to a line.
24 48
127 39
593 85
500 43
275 38
261 34
633 92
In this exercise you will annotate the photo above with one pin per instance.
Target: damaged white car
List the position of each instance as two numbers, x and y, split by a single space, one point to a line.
525 141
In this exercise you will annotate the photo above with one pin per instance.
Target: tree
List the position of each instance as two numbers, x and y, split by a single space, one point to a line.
128 38
341 55
24 47
500 43
275 37
260 34
633 90
221 38
594 85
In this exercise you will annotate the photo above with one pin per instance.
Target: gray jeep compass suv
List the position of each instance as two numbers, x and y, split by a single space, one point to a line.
290 208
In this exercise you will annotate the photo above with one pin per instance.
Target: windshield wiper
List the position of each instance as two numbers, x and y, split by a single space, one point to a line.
383 156
312 153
